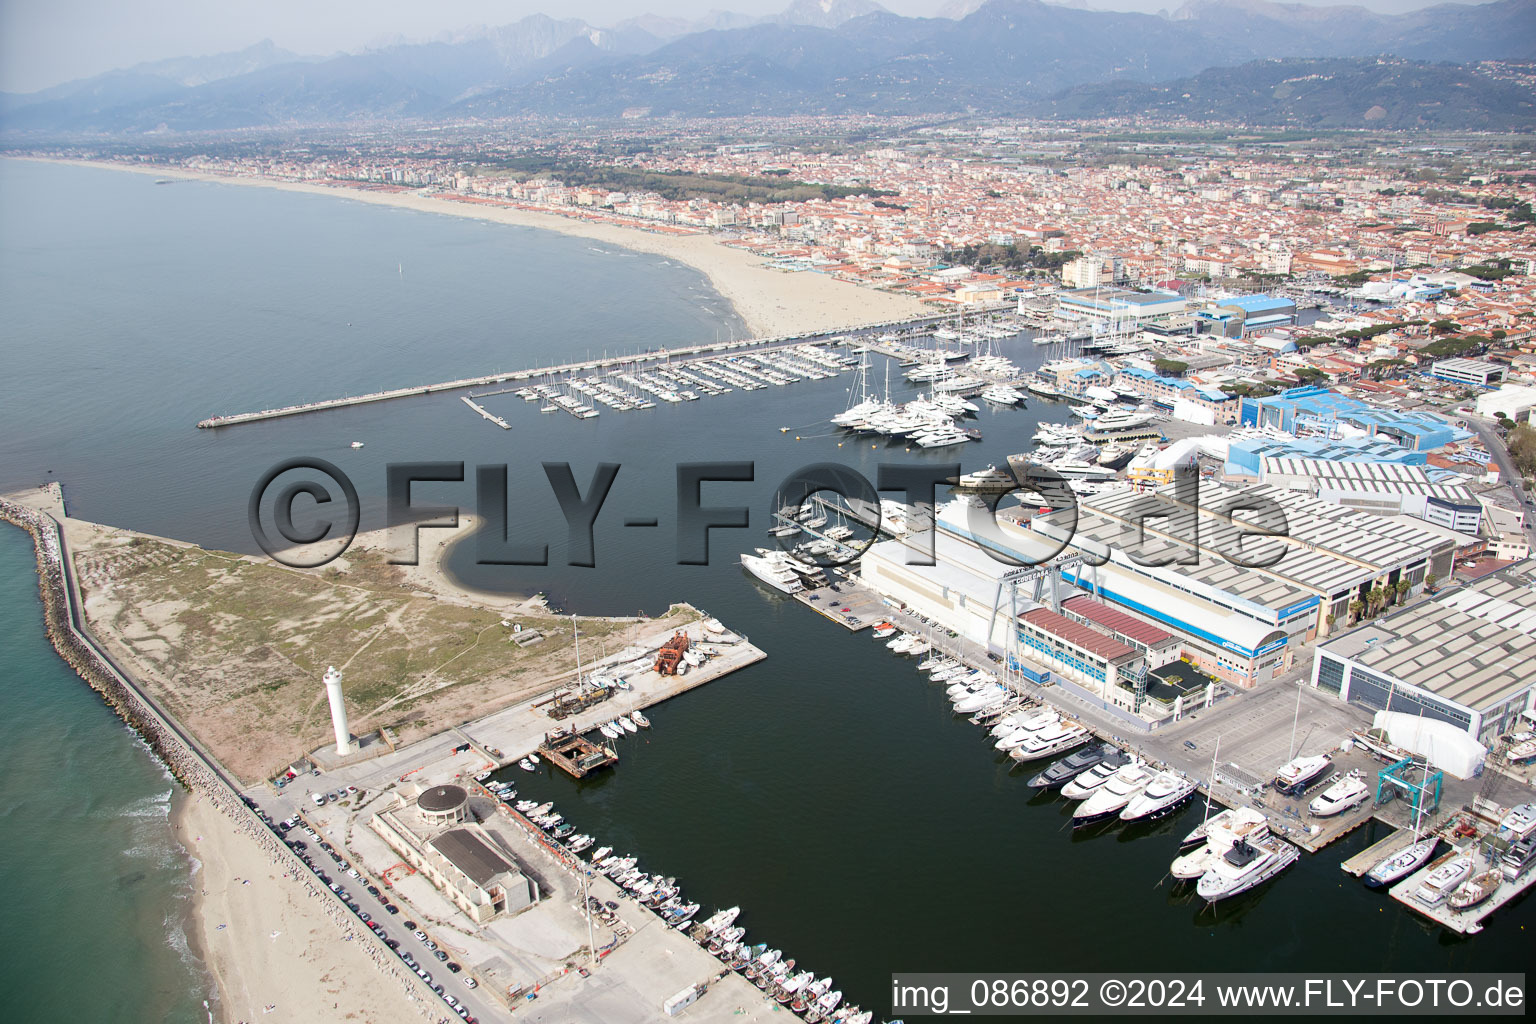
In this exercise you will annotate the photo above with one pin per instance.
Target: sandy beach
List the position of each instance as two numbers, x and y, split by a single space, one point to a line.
270 947
772 303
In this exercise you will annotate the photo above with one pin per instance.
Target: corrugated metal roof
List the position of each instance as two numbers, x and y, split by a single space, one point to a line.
1118 621
1077 634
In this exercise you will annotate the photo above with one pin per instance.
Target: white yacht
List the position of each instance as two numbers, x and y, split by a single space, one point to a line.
1110 799
1163 795
1002 395
1122 419
1247 824
1057 738
1249 863
782 580
1401 864
1078 469
1228 818
1293 777
1091 781
1443 880
1348 792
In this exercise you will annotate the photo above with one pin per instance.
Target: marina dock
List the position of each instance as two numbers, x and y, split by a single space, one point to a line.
587 366
1462 922
503 424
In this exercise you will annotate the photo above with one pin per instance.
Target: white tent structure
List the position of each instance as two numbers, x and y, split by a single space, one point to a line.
1444 745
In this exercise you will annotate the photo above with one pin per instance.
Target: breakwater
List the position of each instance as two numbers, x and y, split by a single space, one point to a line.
192 767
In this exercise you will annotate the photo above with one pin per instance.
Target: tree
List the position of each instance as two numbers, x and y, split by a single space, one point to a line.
1443 326
1402 587
1356 609
1170 367
1430 580
1310 374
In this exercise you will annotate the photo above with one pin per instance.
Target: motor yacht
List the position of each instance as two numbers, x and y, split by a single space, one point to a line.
1052 740
1163 795
1444 880
1293 777
1074 764
1248 864
1350 791
1112 797
1218 839
782 580
1091 781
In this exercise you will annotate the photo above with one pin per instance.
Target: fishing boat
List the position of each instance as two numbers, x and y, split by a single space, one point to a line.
1443 881
1350 791
601 854
882 630
525 764
639 719
625 724
1476 889
357 444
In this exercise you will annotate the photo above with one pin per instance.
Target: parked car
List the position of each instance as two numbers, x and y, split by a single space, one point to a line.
471 983
441 956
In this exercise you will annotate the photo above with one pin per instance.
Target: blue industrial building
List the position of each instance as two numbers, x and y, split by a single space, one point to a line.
1234 318
1244 458
1317 410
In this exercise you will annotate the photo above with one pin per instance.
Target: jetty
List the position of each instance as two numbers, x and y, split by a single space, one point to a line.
483 411
586 366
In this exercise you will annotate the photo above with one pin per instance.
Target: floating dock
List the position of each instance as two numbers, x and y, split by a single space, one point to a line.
576 755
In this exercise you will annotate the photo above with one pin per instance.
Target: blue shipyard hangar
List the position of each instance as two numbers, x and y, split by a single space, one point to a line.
1241 625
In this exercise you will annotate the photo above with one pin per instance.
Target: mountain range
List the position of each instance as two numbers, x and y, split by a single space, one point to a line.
1223 59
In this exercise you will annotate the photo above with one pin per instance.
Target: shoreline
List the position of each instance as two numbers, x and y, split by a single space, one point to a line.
770 303
227 836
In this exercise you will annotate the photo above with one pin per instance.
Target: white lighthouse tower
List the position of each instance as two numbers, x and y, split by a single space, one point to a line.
338 712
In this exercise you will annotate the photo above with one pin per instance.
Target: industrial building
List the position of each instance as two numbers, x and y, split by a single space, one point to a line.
1319 412
1513 400
1380 488
436 835
1464 657
1245 456
1158 646
1477 372
1240 317
1120 306
1240 624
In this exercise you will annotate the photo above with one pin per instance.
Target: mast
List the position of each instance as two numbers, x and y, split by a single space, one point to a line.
1211 787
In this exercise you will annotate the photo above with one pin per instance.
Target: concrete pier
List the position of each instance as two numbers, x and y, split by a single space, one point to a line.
585 366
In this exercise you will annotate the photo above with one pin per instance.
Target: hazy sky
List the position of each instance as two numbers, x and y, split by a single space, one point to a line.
44 42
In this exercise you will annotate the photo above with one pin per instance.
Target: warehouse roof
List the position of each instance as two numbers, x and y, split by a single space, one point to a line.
1077 634
472 855
1117 621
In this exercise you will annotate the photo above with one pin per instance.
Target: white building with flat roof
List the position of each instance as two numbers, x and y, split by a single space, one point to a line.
1464 657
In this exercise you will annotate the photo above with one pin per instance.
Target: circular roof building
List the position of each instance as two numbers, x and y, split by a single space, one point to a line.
444 804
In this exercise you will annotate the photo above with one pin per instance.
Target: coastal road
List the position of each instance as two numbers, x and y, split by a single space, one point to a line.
1509 473
281 806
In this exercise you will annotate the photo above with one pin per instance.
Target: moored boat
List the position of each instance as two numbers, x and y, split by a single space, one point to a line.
1476 889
